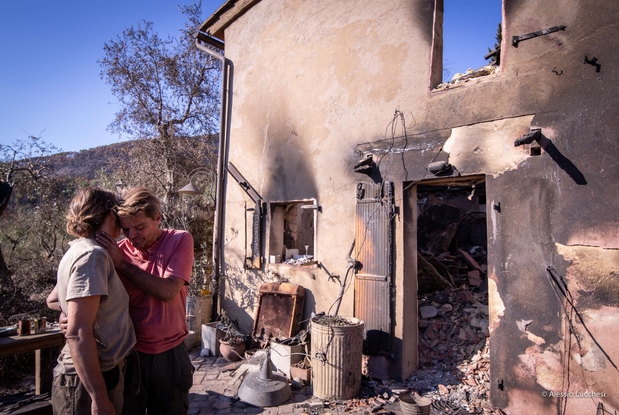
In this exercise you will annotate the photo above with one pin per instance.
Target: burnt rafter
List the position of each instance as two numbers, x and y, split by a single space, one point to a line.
518 39
528 138
366 165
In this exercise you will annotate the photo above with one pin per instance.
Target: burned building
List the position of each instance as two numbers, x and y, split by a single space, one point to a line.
340 145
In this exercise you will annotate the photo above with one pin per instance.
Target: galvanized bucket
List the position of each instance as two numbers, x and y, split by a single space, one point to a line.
415 405
336 352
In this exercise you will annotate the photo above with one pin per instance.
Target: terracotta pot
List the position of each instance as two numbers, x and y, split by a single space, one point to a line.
231 352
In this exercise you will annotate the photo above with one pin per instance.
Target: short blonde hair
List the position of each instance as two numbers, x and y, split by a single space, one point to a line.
89 209
139 200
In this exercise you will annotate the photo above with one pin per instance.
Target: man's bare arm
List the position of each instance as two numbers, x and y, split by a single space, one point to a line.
53 303
164 289
81 339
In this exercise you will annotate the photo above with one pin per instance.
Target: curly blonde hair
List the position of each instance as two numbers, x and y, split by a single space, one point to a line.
89 209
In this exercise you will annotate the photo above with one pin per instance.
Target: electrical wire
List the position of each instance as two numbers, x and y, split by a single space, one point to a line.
558 285
398 118
352 264
570 300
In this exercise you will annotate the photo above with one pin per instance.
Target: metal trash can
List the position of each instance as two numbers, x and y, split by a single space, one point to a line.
336 351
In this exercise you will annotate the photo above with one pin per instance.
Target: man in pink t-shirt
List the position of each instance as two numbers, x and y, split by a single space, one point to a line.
155 266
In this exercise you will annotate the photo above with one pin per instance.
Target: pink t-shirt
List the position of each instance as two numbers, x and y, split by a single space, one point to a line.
159 326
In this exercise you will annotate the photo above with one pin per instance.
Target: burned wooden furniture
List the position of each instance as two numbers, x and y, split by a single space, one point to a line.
280 309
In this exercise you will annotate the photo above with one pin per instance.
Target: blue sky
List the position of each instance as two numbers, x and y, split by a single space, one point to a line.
469 29
49 76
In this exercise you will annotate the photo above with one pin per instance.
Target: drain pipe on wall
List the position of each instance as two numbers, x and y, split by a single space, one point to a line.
208 44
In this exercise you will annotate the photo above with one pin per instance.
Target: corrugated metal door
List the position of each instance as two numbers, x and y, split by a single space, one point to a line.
374 252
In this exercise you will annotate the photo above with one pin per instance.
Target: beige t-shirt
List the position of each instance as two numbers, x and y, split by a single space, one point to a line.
87 270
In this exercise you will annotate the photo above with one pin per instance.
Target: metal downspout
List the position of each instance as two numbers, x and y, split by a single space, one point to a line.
224 117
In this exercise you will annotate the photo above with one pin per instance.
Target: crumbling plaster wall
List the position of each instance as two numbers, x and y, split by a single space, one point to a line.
555 209
314 80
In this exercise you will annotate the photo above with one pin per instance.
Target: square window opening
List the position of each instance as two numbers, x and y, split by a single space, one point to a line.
466 41
292 236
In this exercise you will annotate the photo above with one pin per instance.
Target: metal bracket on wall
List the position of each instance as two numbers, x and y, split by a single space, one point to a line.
594 62
256 243
518 39
248 188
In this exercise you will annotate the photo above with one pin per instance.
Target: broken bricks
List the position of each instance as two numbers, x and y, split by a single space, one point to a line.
454 355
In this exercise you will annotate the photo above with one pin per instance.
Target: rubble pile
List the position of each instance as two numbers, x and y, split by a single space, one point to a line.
468 75
376 397
453 327
454 360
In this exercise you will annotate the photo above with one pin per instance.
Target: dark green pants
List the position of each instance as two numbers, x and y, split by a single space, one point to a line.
158 383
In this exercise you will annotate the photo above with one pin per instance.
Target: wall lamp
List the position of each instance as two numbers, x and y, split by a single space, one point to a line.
190 189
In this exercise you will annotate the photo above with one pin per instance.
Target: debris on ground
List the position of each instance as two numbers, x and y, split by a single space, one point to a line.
454 357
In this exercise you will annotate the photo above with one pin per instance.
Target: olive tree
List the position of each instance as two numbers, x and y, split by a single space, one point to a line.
168 94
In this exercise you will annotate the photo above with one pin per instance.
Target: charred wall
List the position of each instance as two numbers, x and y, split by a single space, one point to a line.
316 85
301 97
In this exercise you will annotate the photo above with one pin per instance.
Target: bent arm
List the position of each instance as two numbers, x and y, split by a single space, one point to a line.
80 335
164 289
53 303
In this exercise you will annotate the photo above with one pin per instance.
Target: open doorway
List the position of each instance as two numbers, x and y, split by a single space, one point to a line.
453 333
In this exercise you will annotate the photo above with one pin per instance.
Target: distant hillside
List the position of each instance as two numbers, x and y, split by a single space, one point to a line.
85 163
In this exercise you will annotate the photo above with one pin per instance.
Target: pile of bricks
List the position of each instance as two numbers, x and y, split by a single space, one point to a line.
453 326
454 355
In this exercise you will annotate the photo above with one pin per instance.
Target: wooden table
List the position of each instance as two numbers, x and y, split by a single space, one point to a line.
42 344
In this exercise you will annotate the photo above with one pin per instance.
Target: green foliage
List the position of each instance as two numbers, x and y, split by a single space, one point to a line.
25 159
27 183
165 86
31 237
496 58
168 92
33 234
